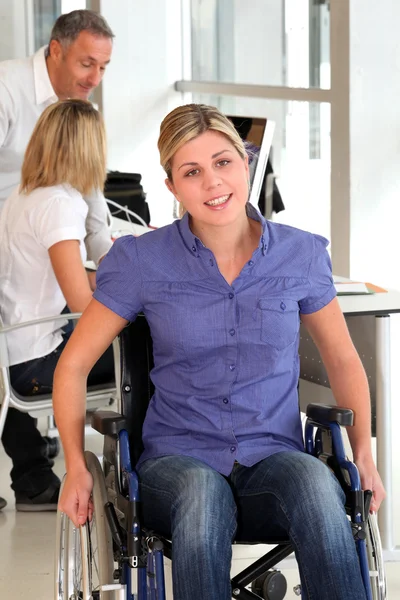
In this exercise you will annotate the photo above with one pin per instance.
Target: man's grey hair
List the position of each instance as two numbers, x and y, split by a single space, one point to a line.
68 26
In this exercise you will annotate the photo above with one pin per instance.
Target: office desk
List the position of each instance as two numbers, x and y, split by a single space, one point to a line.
368 318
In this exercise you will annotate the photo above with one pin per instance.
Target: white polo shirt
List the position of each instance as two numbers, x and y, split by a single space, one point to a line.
29 226
25 91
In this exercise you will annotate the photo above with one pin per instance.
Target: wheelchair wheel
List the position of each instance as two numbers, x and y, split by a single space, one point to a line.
375 559
84 555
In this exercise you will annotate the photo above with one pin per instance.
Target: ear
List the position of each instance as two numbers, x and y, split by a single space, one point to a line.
171 188
56 51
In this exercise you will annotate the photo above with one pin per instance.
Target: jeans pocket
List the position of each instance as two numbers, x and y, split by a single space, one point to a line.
280 322
35 377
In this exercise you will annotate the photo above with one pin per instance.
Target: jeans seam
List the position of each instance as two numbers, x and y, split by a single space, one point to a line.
234 519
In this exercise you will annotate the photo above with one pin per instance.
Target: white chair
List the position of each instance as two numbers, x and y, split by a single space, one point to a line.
41 404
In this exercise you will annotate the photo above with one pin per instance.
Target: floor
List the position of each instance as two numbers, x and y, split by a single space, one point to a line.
27 548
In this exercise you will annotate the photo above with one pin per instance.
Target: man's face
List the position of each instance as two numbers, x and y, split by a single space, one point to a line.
80 67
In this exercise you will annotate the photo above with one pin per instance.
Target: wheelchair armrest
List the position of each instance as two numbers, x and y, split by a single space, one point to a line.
108 422
324 414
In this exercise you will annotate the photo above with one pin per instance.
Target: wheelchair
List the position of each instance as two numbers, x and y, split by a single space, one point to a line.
113 557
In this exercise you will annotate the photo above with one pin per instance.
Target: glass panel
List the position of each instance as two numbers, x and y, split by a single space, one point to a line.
45 13
300 155
264 42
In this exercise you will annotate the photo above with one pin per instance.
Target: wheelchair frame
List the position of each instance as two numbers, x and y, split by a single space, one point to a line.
139 552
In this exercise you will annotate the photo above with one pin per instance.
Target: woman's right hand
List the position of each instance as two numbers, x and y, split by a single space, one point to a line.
75 500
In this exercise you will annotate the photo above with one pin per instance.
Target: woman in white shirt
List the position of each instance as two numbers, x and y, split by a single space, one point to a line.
42 251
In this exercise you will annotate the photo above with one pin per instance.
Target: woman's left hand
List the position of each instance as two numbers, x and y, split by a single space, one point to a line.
370 480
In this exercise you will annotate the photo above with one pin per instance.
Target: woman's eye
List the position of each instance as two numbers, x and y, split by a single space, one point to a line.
223 162
192 172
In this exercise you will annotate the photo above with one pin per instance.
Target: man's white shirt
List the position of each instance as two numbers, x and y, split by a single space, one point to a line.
25 92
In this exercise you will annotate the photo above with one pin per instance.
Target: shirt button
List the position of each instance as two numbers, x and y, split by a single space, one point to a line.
211 262
231 295
251 263
194 248
225 400
283 306
232 367
232 331
233 448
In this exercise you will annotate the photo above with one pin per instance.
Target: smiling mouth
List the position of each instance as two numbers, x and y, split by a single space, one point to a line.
218 201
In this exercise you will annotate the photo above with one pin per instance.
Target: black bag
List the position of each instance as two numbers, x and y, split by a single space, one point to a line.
126 190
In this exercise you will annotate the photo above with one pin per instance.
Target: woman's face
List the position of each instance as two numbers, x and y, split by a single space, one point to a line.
210 179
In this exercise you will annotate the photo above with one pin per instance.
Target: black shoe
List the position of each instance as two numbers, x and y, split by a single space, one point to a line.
53 446
3 503
44 501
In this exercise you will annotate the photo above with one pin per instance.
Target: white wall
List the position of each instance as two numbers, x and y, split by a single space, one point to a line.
13 33
138 90
375 141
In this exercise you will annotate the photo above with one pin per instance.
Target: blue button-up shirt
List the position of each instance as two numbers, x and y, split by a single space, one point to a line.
226 356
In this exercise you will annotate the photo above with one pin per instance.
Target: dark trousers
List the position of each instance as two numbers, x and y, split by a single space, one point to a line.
32 469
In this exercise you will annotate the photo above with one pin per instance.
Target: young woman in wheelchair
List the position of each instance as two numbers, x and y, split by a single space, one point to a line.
223 292
42 249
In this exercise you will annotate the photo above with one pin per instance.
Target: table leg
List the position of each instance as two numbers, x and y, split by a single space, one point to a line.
384 428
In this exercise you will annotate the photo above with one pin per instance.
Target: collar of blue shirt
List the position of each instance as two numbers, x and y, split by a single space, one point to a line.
193 243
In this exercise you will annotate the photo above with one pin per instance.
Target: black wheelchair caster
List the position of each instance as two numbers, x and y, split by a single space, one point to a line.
271 586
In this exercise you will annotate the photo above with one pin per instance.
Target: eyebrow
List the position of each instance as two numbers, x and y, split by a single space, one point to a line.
95 59
193 164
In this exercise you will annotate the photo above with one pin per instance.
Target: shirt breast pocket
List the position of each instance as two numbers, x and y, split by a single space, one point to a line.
280 322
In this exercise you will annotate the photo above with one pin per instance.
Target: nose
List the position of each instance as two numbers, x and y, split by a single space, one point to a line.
95 77
211 179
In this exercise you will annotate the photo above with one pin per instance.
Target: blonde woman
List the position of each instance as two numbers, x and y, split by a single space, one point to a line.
42 232
223 290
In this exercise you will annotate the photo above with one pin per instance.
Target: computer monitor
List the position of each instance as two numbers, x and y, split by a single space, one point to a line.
257 133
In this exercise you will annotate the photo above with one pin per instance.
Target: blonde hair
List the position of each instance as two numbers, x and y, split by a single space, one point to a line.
187 122
68 145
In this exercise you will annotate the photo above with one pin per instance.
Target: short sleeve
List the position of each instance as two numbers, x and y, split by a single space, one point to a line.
60 219
118 279
321 287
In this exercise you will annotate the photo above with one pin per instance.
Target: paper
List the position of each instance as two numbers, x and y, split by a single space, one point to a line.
351 287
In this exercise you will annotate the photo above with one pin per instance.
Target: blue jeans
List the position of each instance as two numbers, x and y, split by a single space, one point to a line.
287 494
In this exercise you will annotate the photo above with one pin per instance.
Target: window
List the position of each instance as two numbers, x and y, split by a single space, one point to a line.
263 42
45 13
